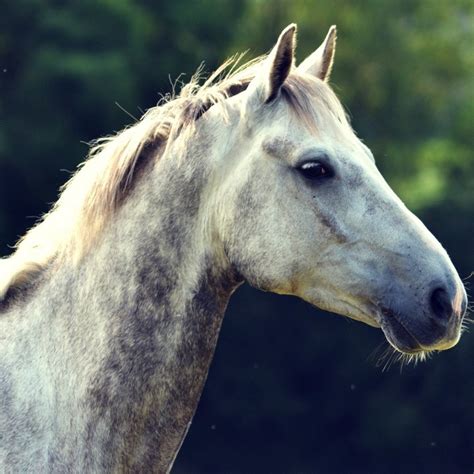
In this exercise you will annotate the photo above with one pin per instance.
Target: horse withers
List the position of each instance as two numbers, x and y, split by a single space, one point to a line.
110 307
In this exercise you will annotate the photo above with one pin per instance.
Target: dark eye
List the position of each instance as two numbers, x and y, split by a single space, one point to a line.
315 170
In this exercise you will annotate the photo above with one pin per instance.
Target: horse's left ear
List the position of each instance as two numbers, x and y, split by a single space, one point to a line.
320 62
276 67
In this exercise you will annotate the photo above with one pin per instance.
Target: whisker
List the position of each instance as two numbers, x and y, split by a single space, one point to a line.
386 359
390 356
469 276
375 355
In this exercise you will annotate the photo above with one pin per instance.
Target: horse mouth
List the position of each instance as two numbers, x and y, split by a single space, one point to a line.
397 334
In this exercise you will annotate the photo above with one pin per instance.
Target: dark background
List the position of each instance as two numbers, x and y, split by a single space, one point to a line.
291 389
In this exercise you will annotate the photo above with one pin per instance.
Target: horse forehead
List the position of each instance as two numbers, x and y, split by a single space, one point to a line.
289 146
292 132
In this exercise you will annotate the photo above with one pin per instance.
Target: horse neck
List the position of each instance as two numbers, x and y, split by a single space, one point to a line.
157 288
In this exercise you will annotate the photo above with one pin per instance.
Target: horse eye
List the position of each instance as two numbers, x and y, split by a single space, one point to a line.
315 170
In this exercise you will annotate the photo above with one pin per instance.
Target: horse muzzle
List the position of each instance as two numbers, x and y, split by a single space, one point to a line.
436 327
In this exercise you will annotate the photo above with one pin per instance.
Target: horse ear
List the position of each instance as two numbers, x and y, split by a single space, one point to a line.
276 67
320 62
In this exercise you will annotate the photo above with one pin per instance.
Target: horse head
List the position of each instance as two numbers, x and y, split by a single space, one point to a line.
303 210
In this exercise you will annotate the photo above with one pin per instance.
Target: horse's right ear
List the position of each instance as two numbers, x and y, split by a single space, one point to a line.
266 84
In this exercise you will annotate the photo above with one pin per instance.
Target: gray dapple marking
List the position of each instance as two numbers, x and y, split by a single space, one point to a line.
111 306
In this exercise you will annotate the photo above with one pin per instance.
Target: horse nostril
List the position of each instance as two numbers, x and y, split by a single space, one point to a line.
441 304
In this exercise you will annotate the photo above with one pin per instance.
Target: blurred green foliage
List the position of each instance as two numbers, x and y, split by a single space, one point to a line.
288 391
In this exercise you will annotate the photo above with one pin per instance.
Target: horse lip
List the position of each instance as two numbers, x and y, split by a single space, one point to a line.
397 334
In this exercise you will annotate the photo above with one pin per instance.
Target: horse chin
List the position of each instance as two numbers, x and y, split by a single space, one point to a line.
399 338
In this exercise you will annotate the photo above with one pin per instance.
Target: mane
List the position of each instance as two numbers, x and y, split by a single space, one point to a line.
89 199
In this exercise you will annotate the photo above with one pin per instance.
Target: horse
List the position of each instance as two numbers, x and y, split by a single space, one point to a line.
111 305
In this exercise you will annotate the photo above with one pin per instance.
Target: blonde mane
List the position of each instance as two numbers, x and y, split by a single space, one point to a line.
88 200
